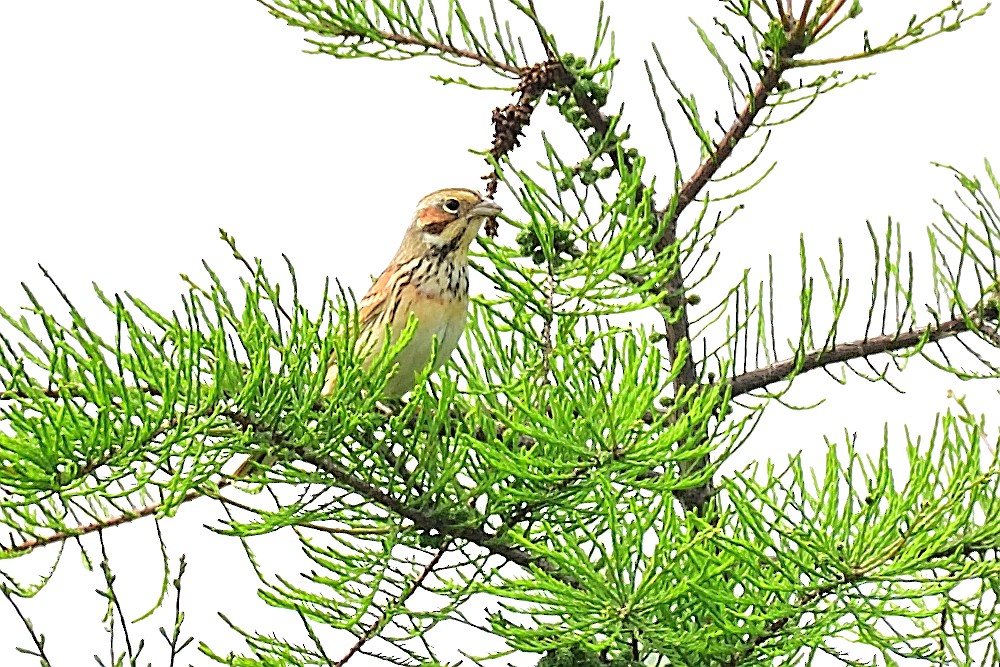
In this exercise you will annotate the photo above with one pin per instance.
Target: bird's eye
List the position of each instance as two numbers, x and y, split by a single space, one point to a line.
451 206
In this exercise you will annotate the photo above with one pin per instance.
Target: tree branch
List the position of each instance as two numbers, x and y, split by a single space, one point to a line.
430 521
677 323
693 186
383 36
426 520
851 577
379 624
845 352
62 535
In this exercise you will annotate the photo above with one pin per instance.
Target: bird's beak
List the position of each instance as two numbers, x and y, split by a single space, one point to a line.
486 209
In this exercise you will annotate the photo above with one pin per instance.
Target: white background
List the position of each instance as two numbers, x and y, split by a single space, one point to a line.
131 131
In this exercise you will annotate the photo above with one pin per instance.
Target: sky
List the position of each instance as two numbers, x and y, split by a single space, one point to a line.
130 132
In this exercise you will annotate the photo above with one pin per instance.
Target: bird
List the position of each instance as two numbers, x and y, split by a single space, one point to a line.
428 279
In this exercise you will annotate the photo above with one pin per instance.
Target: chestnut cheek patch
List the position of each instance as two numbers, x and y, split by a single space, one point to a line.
434 220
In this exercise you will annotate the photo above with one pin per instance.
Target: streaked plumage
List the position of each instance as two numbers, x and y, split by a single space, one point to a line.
428 278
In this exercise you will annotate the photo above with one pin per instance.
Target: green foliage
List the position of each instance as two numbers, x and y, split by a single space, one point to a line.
578 657
401 29
571 465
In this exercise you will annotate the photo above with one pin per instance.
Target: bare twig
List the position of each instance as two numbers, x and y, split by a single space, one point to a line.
116 605
174 639
828 17
38 640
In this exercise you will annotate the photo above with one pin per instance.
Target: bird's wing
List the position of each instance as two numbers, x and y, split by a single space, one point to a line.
377 308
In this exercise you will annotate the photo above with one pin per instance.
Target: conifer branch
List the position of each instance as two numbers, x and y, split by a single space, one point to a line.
852 576
678 324
798 34
379 624
554 484
96 526
433 522
859 349
373 34
426 520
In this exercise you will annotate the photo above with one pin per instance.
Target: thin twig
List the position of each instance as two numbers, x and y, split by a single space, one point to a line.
450 50
109 579
174 640
96 526
804 14
313 636
829 17
850 576
37 639
693 186
542 35
255 272
377 625
410 40
678 324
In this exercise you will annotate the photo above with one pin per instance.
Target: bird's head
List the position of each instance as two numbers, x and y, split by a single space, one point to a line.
446 221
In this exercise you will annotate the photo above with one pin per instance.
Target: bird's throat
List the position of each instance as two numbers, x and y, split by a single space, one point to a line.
443 277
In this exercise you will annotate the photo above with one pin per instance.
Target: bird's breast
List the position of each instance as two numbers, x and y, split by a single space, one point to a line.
438 297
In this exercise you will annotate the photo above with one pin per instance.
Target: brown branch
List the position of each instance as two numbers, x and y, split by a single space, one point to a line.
450 50
678 323
845 352
151 509
798 38
677 326
723 150
94 527
39 640
829 17
804 14
378 624
16 395
426 520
